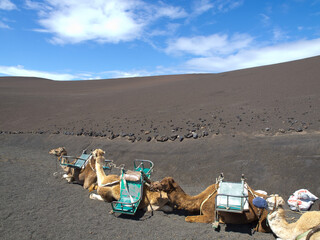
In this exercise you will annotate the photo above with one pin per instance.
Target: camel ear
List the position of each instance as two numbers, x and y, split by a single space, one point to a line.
173 183
281 201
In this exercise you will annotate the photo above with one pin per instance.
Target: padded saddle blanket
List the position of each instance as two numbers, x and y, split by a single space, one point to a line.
237 196
132 176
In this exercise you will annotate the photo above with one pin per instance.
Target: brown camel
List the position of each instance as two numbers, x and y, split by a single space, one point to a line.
108 189
86 176
205 203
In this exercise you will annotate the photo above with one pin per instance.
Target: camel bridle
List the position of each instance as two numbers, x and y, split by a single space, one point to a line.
275 206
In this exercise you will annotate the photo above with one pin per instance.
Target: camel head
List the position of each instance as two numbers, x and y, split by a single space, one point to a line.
98 153
167 185
58 151
274 202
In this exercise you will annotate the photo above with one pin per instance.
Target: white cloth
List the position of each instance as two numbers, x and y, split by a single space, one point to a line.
301 200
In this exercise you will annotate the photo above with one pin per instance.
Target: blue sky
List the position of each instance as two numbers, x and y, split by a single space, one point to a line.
94 39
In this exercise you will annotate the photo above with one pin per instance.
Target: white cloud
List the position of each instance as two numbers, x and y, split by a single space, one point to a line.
216 6
265 19
74 21
21 71
3 25
202 6
7 5
279 34
227 5
124 74
209 45
257 56
167 11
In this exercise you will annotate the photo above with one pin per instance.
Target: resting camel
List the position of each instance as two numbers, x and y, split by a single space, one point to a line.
205 204
108 189
291 231
86 176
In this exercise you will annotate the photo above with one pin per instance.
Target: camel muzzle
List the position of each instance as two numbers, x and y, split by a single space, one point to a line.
155 186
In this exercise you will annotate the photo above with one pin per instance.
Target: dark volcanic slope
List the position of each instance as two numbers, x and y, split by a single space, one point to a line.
241 107
277 98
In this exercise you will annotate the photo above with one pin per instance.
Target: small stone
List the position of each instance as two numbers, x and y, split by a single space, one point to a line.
132 139
267 129
162 138
188 135
173 137
194 135
181 138
148 139
299 130
282 130
205 133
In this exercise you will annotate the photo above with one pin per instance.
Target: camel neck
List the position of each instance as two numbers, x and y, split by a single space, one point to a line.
185 201
99 169
279 225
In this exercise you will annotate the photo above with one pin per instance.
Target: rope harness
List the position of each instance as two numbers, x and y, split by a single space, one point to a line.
211 194
110 184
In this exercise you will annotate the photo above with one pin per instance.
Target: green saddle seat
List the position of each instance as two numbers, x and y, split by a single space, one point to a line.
131 187
131 190
75 162
145 166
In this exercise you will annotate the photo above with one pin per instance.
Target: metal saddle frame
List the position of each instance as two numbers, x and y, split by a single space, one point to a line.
131 187
231 197
80 162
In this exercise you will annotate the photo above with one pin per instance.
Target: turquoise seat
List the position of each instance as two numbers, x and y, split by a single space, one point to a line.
75 162
107 165
130 195
131 187
146 166
231 197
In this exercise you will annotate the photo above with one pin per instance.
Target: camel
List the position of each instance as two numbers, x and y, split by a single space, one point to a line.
108 189
296 230
60 152
205 204
86 176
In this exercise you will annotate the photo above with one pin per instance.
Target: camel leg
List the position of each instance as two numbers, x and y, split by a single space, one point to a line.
166 208
200 219
262 225
159 205
153 208
67 177
89 181
95 197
